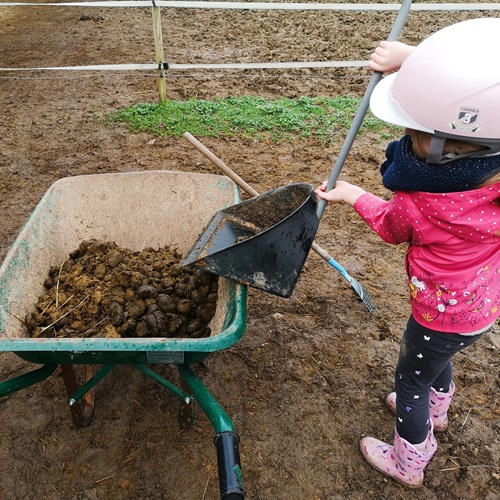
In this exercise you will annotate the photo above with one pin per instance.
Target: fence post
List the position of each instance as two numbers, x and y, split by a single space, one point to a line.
158 38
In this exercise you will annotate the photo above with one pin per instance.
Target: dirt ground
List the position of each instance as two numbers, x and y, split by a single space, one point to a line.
311 373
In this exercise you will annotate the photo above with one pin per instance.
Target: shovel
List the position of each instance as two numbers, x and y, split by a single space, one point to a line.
356 286
264 242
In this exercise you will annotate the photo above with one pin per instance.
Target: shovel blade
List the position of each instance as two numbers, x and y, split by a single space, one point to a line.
262 242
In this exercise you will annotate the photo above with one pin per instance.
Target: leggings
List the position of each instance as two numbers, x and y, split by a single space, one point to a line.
424 362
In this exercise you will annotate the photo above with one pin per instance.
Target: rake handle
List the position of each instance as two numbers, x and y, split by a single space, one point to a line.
363 108
240 182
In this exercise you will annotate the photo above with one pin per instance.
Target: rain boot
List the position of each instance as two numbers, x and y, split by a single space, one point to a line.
439 403
404 462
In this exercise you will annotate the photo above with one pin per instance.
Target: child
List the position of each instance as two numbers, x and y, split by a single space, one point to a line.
445 174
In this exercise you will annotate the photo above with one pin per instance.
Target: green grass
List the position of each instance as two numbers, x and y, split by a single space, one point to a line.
250 117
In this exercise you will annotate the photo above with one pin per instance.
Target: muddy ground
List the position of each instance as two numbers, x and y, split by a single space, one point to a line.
310 375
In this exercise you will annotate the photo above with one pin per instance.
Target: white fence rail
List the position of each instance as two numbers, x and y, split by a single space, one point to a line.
160 66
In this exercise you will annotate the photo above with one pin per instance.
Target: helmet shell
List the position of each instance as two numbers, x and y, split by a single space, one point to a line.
449 84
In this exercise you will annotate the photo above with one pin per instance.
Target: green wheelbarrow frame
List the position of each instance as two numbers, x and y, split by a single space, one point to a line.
135 210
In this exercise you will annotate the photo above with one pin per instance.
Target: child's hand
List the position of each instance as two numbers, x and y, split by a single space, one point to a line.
389 56
343 192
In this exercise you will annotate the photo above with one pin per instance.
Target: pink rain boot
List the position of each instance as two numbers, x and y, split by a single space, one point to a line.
404 462
439 403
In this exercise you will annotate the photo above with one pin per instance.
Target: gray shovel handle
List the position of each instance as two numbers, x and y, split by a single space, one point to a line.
363 108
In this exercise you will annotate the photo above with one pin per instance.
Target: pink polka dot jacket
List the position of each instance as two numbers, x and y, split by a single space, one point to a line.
453 258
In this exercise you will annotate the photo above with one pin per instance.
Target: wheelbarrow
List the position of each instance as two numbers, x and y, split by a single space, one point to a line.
135 210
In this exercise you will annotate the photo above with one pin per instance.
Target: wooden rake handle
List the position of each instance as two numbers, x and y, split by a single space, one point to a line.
217 161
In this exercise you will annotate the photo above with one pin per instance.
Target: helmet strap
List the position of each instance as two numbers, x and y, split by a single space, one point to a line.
436 148
438 140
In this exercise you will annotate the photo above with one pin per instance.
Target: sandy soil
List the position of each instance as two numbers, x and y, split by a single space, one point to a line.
310 375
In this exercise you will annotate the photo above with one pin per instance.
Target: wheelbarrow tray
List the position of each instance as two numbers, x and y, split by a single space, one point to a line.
135 210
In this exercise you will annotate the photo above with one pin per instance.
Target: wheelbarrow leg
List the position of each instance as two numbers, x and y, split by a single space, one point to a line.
226 440
186 413
81 411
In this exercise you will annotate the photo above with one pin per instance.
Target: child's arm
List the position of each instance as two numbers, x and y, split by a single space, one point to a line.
389 56
388 219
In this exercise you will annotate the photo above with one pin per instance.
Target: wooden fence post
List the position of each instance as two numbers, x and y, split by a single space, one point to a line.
158 38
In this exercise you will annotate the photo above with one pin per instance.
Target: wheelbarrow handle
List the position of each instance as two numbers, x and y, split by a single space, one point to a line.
229 466
363 108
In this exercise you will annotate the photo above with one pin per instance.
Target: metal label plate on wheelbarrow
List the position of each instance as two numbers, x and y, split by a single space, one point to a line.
169 357
135 210
262 242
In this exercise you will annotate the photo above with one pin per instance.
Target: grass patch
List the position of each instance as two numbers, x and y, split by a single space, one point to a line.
250 117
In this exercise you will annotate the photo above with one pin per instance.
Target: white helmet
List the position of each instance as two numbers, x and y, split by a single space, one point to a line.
449 86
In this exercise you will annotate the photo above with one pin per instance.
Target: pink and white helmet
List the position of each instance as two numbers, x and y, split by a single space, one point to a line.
449 86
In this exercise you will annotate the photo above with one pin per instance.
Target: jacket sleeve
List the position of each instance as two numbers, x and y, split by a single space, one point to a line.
391 220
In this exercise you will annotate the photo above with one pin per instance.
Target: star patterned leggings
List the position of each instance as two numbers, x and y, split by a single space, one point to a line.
424 362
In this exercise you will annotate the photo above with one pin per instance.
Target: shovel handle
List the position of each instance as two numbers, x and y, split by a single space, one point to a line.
363 108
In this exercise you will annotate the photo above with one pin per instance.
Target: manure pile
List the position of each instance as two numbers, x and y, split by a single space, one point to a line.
103 290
